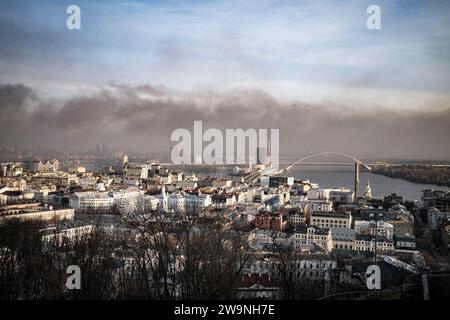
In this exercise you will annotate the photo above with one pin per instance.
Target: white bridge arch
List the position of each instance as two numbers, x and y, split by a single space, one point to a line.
329 153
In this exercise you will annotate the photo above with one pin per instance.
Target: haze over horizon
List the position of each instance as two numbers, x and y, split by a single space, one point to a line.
143 117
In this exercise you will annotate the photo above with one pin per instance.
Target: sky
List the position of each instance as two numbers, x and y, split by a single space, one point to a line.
292 53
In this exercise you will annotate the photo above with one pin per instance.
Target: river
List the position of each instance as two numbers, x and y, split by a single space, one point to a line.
333 177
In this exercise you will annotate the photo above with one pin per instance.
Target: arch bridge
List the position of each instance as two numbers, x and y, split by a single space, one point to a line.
355 160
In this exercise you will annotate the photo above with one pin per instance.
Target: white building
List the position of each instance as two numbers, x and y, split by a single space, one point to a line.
91 202
197 200
295 216
87 182
46 213
44 166
186 184
102 202
163 197
315 194
3 199
223 200
135 172
305 203
265 181
181 202
150 202
341 238
261 237
342 196
176 202
307 235
314 266
367 243
383 228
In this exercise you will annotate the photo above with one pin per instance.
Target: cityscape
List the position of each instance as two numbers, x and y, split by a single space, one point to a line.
162 227
187 153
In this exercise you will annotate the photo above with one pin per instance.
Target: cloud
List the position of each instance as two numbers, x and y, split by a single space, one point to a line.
191 44
143 117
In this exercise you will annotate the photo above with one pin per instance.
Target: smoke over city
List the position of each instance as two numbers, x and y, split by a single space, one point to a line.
143 117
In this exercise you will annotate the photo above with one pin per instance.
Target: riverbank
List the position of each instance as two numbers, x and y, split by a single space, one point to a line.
438 175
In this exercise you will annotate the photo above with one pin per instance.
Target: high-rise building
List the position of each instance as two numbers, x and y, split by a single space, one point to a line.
124 160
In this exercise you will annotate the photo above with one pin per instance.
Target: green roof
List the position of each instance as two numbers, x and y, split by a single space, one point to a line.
406 238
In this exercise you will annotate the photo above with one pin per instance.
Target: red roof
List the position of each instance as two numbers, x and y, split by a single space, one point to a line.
263 280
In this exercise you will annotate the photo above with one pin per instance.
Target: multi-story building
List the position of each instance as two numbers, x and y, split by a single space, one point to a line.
14 183
331 219
176 202
35 211
384 229
186 185
435 216
276 181
392 200
307 235
406 242
60 179
339 196
3 199
312 266
341 238
91 202
197 200
367 243
294 216
261 237
135 172
150 202
315 194
402 226
258 286
67 230
43 166
269 221
272 204
223 200
439 199
11 169
88 181
311 205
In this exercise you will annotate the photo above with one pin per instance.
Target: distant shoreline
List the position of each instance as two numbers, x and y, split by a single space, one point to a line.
439 176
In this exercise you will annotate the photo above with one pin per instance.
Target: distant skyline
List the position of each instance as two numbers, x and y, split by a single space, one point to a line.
310 68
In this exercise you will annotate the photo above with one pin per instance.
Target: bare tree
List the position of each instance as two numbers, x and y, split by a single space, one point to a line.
214 255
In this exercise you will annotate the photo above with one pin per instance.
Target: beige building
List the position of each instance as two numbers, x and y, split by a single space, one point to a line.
304 235
3 199
402 227
331 219
35 211
341 238
14 184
